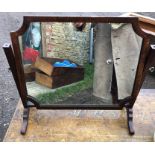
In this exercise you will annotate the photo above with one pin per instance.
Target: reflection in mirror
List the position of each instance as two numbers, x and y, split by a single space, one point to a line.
80 63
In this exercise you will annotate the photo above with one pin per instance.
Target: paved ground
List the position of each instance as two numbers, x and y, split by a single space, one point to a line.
8 92
87 125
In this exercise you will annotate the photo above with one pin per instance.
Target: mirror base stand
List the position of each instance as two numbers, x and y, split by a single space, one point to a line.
25 121
130 120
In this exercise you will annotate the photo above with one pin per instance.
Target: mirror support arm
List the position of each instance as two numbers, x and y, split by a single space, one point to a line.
129 112
11 60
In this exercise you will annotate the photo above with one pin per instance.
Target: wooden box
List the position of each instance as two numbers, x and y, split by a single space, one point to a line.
29 72
54 77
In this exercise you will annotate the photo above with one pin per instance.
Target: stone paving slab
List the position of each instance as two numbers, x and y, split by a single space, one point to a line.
86 125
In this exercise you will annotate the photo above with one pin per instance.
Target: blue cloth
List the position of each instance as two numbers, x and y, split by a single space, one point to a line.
65 63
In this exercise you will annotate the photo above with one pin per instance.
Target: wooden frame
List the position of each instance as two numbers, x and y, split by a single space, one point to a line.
13 55
146 23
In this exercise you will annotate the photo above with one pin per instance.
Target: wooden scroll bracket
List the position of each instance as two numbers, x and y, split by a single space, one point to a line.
150 62
11 60
25 121
130 119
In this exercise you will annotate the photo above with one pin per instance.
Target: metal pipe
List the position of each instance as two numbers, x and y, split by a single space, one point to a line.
91 45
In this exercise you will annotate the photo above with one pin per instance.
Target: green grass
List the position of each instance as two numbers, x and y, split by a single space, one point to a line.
65 92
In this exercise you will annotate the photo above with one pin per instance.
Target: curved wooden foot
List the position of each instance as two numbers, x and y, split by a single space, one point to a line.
130 120
25 121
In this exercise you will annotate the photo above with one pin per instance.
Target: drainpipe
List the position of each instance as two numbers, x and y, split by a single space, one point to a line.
91 44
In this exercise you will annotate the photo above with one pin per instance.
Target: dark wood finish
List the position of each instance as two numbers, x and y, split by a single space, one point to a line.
130 120
18 71
25 121
61 80
11 60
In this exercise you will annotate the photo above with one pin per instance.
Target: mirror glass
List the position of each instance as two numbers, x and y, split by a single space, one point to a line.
80 63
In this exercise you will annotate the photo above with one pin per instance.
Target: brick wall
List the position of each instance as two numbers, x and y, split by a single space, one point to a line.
62 40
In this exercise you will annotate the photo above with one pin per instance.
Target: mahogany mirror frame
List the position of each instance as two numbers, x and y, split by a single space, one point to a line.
14 58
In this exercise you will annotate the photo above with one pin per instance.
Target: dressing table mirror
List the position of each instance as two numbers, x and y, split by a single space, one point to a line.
79 63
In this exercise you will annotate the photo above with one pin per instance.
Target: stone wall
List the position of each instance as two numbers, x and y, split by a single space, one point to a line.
62 40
